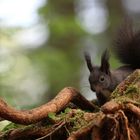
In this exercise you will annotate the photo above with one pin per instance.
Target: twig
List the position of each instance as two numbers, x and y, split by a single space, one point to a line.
59 125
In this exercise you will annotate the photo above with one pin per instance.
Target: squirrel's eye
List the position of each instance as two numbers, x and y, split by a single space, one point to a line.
102 78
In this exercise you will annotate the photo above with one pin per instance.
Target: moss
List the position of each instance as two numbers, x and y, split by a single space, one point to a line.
12 126
74 119
129 89
77 121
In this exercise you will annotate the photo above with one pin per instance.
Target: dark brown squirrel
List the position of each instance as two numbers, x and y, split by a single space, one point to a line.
127 48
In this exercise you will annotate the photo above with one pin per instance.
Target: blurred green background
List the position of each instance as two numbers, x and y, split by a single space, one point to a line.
42 44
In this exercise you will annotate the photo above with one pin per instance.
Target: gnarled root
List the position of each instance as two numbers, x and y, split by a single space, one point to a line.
63 98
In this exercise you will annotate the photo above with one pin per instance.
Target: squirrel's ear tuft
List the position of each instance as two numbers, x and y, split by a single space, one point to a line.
105 66
88 61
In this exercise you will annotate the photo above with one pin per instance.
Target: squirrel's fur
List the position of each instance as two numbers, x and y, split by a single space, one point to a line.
127 48
127 45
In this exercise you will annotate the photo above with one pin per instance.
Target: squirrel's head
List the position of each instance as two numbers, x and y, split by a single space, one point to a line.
100 76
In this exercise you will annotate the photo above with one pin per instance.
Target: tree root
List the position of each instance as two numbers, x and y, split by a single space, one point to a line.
63 98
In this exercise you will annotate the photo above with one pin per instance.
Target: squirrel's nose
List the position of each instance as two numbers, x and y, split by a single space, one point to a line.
98 89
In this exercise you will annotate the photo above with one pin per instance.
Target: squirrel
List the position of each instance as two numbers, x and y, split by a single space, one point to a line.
102 79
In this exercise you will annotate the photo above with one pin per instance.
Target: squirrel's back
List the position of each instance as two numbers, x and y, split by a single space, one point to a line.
127 45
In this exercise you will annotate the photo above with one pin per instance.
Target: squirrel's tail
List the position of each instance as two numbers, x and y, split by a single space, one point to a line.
127 45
